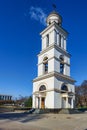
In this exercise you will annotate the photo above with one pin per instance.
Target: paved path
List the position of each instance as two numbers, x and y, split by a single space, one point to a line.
22 121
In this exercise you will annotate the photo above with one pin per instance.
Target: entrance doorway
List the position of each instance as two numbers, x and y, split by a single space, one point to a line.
42 102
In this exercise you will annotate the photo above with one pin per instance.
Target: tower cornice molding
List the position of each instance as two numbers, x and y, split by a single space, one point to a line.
54 74
57 48
61 29
55 89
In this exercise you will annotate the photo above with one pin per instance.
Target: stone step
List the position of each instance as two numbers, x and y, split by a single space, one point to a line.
57 111
69 111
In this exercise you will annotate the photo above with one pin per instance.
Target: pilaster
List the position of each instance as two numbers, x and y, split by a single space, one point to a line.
62 42
58 39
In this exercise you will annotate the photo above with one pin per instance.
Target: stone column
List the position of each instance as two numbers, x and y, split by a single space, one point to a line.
43 69
67 102
40 103
62 42
35 104
47 40
34 101
64 72
42 39
71 102
54 37
43 42
58 39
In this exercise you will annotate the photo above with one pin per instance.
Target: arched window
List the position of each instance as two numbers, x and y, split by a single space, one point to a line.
62 58
64 88
45 63
61 64
42 88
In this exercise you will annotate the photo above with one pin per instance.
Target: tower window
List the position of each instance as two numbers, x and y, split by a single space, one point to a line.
45 62
42 88
46 67
59 40
64 88
47 42
61 64
61 68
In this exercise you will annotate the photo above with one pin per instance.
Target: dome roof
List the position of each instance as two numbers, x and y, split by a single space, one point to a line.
54 17
54 12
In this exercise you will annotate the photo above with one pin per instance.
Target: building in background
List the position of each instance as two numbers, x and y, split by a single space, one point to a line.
53 88
5 99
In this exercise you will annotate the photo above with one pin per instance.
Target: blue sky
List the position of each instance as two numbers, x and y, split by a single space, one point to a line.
21 21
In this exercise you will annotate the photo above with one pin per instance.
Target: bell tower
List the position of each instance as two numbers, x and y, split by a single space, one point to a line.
53 88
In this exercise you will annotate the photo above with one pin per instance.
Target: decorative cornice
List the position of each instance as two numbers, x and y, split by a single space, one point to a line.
64 77
55 74
57 48
62 50
47 49
54 89
61 29
43 76
56 26
46 29
48 90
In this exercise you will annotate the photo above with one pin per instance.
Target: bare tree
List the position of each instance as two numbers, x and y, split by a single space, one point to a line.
81 94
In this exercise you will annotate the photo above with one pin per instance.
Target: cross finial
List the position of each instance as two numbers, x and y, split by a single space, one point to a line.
54 6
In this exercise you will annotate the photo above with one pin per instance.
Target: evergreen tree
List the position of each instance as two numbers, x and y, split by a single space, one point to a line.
28 102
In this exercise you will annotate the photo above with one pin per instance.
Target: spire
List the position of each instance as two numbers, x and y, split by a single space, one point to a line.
54 16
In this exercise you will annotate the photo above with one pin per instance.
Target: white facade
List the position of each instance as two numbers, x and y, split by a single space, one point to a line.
53 88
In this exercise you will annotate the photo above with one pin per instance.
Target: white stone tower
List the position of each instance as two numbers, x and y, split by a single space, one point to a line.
53 88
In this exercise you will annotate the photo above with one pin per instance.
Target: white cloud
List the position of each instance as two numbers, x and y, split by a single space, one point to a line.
38 14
